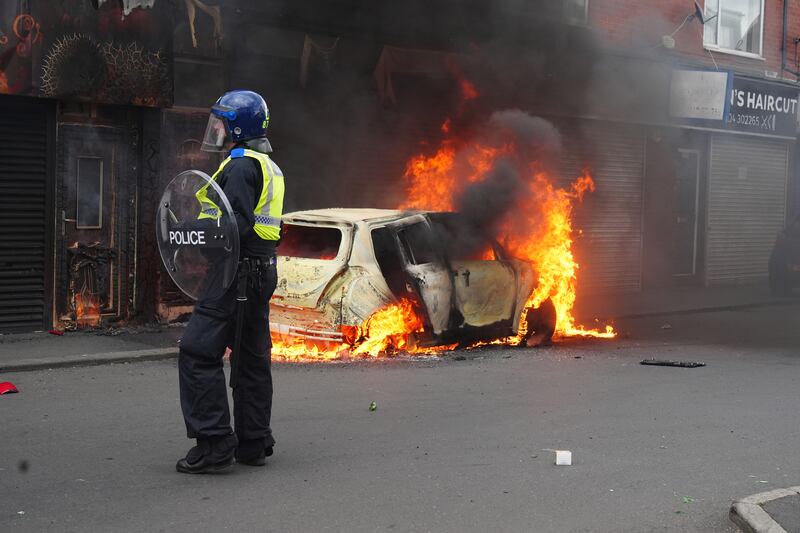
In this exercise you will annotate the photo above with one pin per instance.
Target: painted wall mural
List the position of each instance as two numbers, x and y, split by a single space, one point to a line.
104 51
19 34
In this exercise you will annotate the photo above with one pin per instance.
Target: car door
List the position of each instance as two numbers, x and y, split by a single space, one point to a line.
484 283
424 264
485 289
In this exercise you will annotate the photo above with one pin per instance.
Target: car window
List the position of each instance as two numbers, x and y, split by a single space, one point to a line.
418 243
310 242
389 260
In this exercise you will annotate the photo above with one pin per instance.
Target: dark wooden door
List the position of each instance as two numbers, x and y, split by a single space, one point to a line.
92 221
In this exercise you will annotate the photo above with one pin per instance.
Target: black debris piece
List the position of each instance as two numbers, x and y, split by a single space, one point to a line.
683 364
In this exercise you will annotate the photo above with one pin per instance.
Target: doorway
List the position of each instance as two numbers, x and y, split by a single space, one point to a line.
674 208
686 203
93 216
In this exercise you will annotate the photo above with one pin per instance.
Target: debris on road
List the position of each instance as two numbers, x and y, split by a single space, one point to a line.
55 332
6 387
666 326
373 406
687 499
563 457
683 364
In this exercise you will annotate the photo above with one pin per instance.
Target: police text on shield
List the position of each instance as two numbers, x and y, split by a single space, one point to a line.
187 237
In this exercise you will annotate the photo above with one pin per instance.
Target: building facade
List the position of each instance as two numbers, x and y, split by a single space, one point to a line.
78 84
716 140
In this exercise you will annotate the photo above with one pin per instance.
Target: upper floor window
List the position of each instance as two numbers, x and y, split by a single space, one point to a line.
576 11
735 26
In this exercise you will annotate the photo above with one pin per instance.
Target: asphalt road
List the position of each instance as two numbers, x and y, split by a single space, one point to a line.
454 445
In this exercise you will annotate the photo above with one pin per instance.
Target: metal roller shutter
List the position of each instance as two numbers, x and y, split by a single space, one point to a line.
746 206
609 250
23 216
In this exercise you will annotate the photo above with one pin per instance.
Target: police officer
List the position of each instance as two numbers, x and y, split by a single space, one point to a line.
253 184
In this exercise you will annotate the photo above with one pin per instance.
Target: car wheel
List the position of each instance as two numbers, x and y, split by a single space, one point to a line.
541 324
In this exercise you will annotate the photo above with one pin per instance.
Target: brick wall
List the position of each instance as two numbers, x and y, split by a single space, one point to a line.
638 25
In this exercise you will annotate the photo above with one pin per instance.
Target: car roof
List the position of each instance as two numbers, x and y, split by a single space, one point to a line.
351 215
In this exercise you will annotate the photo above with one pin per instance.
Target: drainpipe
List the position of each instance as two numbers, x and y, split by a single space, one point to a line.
795 198
784 68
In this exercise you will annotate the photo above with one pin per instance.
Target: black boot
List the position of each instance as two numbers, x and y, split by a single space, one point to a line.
211 454
253 452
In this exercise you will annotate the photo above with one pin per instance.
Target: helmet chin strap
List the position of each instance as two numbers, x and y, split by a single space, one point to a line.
259 145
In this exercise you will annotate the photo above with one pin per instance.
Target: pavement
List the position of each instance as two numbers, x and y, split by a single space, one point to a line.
774 511
676 300
33 351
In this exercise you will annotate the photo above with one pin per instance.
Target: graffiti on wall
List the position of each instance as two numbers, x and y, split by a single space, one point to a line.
19 34
111 51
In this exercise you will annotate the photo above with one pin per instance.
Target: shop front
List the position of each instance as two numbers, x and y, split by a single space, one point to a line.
717 179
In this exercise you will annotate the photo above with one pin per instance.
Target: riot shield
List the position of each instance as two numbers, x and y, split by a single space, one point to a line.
197 235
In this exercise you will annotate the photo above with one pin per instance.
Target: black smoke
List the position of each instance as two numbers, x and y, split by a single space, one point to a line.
531 144
340 144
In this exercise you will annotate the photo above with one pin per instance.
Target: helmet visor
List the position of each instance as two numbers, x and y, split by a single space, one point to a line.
216 134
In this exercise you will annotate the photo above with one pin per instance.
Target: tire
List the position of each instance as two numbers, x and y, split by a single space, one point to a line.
541 324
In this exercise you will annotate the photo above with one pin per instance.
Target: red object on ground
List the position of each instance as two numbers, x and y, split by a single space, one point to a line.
6 387
55 332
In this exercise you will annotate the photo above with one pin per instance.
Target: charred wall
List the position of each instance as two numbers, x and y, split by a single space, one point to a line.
96 182
72 50
145 296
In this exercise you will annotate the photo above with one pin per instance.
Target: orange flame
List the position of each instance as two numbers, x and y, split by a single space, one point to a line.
538 229
468 90
390 331
433 181
87 311
550 249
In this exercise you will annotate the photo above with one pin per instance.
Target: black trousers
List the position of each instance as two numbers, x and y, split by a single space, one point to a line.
203 390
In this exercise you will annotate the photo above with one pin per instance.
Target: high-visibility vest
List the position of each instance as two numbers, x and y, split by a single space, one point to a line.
269 208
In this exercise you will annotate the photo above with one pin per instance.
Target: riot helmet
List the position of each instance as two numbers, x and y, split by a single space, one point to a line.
239 117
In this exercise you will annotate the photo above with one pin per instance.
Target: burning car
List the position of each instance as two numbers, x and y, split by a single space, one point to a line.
337 267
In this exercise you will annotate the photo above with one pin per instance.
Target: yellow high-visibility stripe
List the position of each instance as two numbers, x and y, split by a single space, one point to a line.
269 208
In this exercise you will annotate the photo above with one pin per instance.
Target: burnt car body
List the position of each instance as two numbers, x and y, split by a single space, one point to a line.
336 267
784 261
